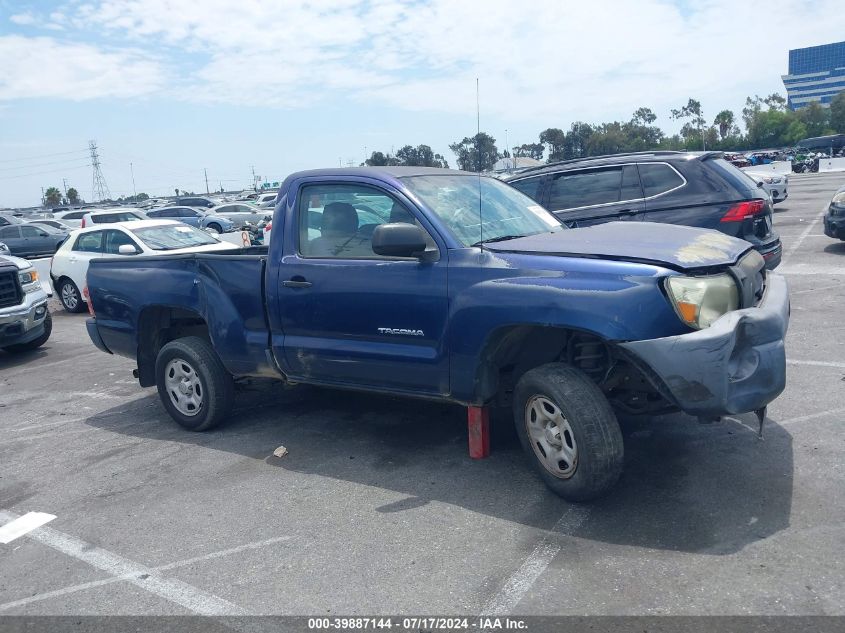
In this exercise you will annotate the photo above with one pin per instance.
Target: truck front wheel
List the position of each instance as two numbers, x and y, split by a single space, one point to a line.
569 431
193 384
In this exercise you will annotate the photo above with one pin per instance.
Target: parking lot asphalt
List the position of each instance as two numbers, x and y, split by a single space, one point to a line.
378 509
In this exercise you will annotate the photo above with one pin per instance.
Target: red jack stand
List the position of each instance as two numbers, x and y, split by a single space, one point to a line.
478 423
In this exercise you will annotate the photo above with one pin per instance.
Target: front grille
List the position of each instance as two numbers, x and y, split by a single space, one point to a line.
10 290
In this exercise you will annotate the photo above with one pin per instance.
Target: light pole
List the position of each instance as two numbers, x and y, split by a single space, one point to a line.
132 171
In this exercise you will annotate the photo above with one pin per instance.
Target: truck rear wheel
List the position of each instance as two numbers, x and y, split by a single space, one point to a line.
569 431
193 384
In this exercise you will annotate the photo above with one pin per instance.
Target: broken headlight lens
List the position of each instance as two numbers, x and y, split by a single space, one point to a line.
699 301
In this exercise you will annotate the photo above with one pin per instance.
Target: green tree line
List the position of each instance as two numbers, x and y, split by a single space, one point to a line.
767 121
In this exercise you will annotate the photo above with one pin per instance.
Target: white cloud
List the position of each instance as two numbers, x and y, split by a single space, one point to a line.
23 19
544 60
42 67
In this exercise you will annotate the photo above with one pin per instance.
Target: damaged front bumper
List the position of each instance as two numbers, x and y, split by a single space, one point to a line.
736 365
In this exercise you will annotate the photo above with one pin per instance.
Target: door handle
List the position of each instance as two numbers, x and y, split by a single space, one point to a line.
296 282
628 212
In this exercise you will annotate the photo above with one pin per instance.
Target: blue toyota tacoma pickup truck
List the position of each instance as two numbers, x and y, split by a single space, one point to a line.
453 286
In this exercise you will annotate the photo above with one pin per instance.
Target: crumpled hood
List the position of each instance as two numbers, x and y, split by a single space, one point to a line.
679 247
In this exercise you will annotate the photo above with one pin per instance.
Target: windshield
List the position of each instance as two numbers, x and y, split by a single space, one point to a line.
171 237
506 212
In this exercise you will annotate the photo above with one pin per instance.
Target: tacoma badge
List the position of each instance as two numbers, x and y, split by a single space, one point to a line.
403 332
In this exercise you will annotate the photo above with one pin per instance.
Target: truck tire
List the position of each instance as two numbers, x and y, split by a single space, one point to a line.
193 384
70 296
569 431
25 347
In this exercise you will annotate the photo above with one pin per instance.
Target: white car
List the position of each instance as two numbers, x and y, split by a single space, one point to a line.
73 217
776 185
69 267
110 216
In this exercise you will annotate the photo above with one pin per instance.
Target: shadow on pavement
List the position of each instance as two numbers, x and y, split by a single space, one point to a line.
686 487
837 248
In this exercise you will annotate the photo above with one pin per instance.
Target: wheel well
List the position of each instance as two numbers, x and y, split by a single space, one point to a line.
159 325
514 350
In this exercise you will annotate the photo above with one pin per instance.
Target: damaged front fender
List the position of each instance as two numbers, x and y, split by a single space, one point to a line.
736 365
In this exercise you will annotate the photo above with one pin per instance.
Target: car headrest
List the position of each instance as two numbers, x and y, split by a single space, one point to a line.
339 220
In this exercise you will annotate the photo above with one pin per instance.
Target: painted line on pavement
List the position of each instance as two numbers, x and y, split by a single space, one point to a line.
815 363
520 582
16 528
811 416
804 235
176 591
115 579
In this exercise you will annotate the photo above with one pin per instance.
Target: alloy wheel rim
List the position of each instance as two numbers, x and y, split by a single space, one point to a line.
551 437
183 386
69 296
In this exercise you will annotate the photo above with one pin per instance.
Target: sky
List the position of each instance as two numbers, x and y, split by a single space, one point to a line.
169 88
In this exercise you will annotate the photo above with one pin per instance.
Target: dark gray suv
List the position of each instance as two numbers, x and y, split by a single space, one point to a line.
699 189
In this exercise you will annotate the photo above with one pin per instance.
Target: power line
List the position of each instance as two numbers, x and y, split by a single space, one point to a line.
15 160
39 173
55 162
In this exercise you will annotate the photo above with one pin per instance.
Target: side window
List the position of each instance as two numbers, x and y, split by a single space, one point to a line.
339 220
115 239
631 189
529 186
30 231
10 232
89 242
585 188
658 178
186 213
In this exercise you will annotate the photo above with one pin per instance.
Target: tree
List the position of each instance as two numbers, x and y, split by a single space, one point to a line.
380 159
529 150
554 139
52 197
420 156
142 196
608 138
815 118
576 140
73 196
643 116
476 153
837 113
725 121
692 111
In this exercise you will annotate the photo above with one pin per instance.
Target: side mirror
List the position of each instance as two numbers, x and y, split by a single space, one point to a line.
760 184
398 240
43 234
127 249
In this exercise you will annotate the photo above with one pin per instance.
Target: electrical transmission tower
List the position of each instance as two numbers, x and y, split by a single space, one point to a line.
99 188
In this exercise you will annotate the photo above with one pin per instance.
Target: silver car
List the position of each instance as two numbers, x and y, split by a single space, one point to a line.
776 185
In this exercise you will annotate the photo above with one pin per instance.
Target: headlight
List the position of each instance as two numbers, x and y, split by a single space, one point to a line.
839 199
701 300
29 279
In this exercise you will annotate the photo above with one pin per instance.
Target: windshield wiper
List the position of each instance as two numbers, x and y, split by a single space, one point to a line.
501 238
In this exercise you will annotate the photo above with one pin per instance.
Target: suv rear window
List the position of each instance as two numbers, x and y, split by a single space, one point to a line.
658 178
735 177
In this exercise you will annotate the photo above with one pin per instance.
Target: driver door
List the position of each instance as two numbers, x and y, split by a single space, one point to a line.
350 316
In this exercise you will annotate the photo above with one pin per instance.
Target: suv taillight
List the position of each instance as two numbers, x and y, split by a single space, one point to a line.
83 224
743 210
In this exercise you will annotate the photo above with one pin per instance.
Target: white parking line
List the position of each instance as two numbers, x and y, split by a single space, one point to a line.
804 235
176 591
108 581
520 582
815 363
22 525
811 416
